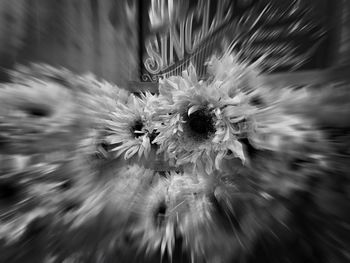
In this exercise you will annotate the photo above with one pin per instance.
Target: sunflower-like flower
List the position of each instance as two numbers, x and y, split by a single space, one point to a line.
277 124
36 190
97 95
38 117
232 75
130 126
45 109
202 121
179 213
167 209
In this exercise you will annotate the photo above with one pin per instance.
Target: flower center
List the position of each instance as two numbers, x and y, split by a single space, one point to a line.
136 129
153 135
160 215
201 123
38 111
257 101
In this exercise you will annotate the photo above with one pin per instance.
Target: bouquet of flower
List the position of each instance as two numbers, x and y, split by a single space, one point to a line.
225 169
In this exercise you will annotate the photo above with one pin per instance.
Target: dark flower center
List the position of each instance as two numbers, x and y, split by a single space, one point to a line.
298 163
137 128
160 214
66 185
37 111
36 227
257 101
70 206
201 123
9 191
153 135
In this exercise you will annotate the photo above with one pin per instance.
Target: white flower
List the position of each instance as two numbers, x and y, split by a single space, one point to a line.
175 206
39 117
130 127
46 109
202 121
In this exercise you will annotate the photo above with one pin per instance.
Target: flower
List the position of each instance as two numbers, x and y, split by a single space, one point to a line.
130 127
97 95
176 205
277 125
202 121
232 75
39 117
46 109
180 213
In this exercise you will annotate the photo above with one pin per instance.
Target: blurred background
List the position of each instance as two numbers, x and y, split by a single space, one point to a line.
100 36
107 37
